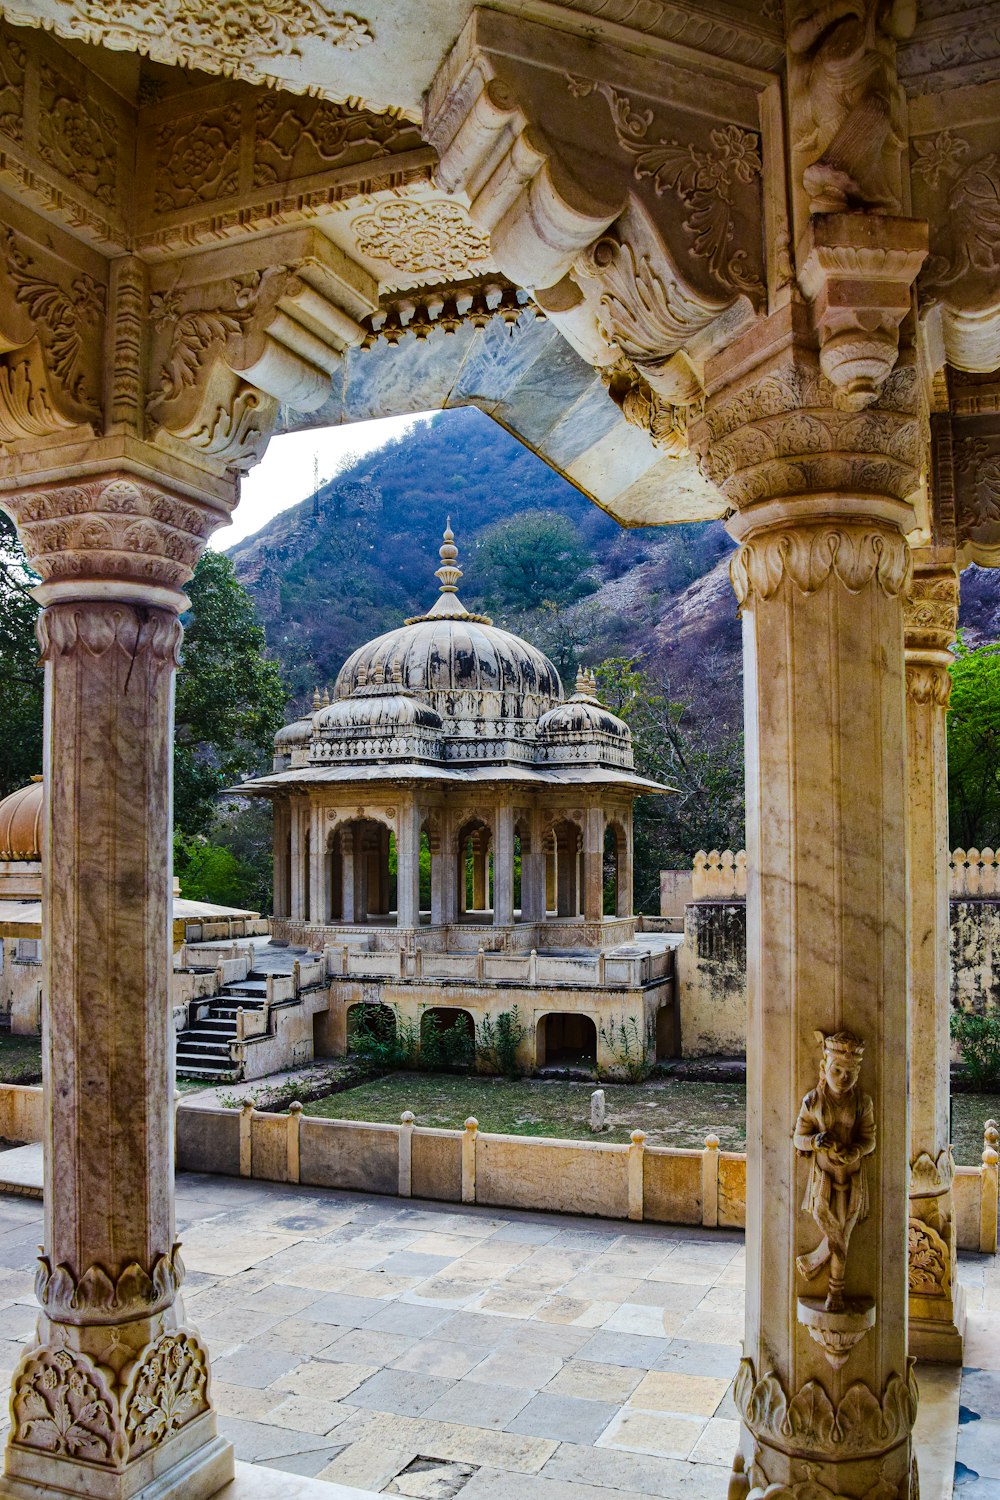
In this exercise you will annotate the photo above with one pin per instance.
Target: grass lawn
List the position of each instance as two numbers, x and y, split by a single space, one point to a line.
20 1059
671 1112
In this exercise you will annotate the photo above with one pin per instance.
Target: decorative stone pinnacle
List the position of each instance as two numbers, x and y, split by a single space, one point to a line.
581 680
317 700
449 572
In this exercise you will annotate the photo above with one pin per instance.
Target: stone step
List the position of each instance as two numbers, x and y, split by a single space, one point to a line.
211 1075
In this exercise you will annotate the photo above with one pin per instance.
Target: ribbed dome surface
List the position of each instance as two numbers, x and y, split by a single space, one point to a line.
299 732
387 708
581 715
21 823
452 654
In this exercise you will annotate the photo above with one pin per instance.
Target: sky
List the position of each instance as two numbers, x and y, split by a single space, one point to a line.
285 476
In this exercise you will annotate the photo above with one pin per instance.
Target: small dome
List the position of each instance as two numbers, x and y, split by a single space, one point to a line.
21 823
291 736
383 708
582 716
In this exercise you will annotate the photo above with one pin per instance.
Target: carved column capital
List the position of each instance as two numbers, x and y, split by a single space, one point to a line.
116 537
930 621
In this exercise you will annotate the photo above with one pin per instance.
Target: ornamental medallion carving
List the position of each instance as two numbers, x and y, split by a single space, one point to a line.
61 1404
168 1389
77 136
422 239
703 179
197 159
295 140
13 60
216 36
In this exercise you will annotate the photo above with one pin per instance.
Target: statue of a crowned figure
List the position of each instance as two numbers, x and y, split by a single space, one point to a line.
836 1130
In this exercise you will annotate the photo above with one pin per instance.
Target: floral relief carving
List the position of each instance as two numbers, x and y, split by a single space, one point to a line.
77 136
703 179
13 60
294 140
69 321
26 410
422 238
928 1262
195 331
966 226
168 1389
860 1424
61 1404
217 36
979 498
197 159
809 556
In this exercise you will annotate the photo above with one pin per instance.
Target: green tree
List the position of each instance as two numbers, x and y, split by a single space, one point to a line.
230 697
706 809
974 746
533 559
21 676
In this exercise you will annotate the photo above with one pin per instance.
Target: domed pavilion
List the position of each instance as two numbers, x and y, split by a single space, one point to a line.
449 799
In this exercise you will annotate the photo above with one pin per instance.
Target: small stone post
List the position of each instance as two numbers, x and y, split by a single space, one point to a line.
988 1189
246 1137
294 1124
710 1182
636 1154
597 1111
406 1153
469 1160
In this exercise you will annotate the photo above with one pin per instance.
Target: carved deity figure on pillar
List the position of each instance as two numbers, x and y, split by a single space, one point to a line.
845 51
836 1129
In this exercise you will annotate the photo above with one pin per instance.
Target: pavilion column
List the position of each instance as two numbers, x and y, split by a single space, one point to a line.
503 866
480 870
296 855
408 866
317 865
824 1389
279 846
348 854
113 1393
593 865
937 1311
625 865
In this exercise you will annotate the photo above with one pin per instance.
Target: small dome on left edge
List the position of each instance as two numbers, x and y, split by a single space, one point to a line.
21 822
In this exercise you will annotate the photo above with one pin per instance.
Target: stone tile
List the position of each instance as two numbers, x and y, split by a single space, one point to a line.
590 1286
979 1447
480 1405
245 1402
516 1367
378 1283
571 1310
254 1367
381 1445
298 1336
368 1346
566 1419
532 1337
431 1479
651 1322
677 1296
699 1359
437 1357
609 1348
17 1322
470 1328
346 1312
308 1465
980 1391
615 1469
304 1413
717 1444
693 1395
439 1291
324 1381
281 1298
411 1263
408 1319
206 1250
977 1489
712 1327
404 1392
494 1484
255 1442
524 1234
594 1382
653 1432
510 1302
225 1331
982 1342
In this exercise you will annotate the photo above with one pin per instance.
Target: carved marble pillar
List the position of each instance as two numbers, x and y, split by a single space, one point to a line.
296 858
937 1311
317 866
111 1400
280 847
593 865
408 866
824 1390
348 848
503 867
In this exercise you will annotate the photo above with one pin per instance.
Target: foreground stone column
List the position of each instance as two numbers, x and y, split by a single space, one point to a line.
824 1391
503 866
408 867
593 865
111 1401
937 1310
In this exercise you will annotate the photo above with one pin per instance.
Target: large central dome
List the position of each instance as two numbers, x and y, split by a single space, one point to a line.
460 662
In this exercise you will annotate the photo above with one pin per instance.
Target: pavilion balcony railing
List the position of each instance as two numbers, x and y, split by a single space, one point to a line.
598 970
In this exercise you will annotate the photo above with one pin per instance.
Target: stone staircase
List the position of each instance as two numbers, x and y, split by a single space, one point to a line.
204 1048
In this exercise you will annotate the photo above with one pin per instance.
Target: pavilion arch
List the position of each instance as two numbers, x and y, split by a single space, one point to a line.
564 875
359 852
474 855
616 870
379 1020
447 1037
566 1038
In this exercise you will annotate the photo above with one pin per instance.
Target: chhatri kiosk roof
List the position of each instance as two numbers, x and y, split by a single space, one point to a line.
450 697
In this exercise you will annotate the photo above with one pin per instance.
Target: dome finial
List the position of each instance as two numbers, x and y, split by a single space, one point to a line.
317 701
449 572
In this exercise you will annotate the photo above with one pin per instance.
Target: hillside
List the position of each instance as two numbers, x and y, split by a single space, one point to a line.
359 557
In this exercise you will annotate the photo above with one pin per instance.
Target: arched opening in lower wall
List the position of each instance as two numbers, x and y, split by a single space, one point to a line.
375 1022
447 1038
566 1039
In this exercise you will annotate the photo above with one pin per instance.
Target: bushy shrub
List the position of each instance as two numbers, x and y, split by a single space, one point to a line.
497 1045
383 1041
629 1046
445 1049
978 1038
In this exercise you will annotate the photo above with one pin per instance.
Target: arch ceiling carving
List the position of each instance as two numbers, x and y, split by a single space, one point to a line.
295 254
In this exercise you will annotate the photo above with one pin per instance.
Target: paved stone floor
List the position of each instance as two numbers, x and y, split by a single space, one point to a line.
423 1350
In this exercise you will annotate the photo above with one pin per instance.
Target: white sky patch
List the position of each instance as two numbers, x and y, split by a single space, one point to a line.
285 476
